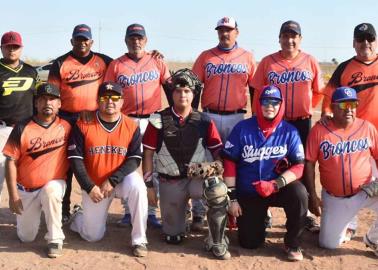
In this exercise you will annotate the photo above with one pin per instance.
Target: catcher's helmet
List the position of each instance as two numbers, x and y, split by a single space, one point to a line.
185 78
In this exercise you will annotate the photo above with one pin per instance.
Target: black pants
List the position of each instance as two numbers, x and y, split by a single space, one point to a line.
303 127
251 226
66 204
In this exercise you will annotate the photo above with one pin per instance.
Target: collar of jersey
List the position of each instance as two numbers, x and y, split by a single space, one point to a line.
16 70
108 130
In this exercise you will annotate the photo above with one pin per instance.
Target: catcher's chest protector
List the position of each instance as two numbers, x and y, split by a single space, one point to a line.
181 141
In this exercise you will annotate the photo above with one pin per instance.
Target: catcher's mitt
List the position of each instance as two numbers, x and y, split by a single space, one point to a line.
205 169
371 188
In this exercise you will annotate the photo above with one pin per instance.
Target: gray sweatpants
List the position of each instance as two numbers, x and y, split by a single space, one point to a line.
174 197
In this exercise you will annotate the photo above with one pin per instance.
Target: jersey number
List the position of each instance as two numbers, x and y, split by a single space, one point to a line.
17 84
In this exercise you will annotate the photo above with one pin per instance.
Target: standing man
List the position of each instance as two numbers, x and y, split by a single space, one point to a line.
359 72
104 155
36 168
17 83
264 159
343 147
226 72
78 74
179 135
141 76
298 75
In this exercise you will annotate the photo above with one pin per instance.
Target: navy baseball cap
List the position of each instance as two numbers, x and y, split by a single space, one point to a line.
271 92
344 94
290 26
82 30
135 29
363 30
109 87
48 90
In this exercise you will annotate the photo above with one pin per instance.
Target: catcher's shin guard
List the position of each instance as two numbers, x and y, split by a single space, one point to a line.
215 193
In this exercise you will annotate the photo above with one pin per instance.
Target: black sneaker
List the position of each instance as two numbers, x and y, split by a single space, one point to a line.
311 224
198 224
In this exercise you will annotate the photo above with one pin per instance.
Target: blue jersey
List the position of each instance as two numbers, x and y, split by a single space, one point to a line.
256 156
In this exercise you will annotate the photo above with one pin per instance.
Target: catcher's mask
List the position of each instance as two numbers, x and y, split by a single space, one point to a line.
185 78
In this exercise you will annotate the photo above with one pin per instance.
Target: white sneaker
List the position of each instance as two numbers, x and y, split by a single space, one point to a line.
371 245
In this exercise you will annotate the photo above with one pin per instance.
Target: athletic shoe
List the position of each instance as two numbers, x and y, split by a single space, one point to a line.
174 239
54 250
140 250
66 218
198 224
154 222
371 245
311 224
349 234
294 254
125 221
225 256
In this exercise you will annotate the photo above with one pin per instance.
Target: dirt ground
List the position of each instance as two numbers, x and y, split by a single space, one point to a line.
114 251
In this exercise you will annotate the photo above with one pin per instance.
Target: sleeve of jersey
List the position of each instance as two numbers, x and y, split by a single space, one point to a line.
76 144
164 72
12 146
110 75
257 83
333 83
232 147
374 141
198 68
54 74
295 148
252 69
214 141
134 149
150 137
312 145
317 84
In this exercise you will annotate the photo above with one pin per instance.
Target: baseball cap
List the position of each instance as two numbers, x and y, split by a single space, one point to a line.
343 94
47 89
290 26
11 38
227 22
135 29
364 29
82 30
109 87
271 92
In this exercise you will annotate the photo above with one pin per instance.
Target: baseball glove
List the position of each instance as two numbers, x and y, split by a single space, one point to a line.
205 169
371 188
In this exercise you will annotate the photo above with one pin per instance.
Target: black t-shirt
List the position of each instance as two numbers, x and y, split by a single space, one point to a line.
17 87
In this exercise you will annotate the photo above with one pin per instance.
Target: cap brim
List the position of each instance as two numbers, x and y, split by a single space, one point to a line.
229 27
290 30
345 99
12 43
136 33
87 36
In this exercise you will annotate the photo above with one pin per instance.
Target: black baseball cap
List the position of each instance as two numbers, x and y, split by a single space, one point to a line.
291 26
82 30
135 29
109 87
363 30
47 89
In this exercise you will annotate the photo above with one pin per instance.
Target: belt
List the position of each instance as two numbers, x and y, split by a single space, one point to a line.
223 112
170 177
299 118
22 188
139 115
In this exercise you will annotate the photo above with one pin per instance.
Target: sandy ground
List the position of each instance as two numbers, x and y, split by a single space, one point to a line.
114 251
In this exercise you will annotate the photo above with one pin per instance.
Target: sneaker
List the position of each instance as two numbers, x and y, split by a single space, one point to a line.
349 234
140 250
125 221
154 222
371 245
66 218
311 224
54 250
174 239
198 224
294 254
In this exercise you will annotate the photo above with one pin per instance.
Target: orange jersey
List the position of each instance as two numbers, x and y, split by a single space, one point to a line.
141 81
299 79
78 80
343 155
103 150
226 76
40 152
361 77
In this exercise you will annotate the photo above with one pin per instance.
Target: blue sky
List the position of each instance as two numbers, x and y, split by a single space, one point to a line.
182 29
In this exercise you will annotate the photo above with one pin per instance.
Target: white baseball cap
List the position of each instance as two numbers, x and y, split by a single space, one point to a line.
227 22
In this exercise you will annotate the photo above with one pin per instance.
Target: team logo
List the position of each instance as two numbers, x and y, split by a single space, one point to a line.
292 76
225 68
251 154
228 145
138 78
109 87
225 20
363 27
270 91
347 92
16 84
345 147
108 149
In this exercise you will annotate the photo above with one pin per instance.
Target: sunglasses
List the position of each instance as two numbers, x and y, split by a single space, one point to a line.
347 105
267 102
363 38
113 98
